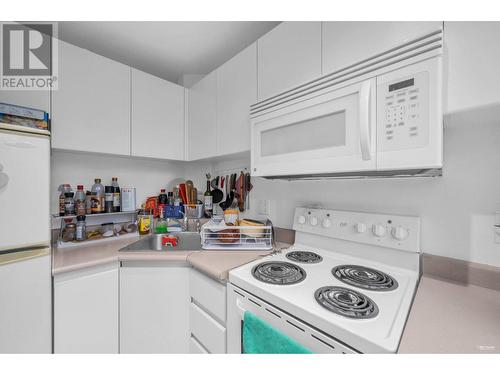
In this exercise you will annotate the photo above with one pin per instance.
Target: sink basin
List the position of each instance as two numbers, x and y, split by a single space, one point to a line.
185 241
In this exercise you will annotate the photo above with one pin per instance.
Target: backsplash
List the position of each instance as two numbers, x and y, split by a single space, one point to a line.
146 175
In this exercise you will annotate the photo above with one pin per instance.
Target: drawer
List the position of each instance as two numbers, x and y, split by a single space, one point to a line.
208 293
195 346
210 333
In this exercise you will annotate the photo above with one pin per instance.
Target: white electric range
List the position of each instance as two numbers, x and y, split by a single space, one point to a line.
345 286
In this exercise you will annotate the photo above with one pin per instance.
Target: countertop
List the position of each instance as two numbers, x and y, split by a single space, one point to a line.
215 264
449 317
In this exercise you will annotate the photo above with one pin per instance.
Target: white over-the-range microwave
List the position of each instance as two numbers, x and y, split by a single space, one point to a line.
380 117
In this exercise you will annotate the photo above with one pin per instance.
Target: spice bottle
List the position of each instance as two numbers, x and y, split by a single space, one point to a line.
108 199
81 232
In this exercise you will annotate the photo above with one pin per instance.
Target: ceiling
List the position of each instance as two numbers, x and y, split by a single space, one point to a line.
167 49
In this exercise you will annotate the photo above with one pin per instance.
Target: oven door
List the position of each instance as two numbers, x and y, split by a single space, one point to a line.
323 133
239 301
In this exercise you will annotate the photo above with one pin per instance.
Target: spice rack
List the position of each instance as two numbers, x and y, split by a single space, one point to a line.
93 222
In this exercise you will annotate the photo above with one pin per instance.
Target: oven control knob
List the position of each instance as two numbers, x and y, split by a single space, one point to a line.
399 233
361 227
313 221
378 230
326 223
301 219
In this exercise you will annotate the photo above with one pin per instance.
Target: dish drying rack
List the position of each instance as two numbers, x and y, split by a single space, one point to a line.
231 237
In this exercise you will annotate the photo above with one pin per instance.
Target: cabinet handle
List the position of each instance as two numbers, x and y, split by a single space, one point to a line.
364 120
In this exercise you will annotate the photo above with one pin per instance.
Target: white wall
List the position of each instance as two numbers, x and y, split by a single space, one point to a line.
148 176
457 210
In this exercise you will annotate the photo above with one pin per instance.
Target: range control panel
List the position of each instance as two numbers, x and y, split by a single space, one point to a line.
403 112
393 231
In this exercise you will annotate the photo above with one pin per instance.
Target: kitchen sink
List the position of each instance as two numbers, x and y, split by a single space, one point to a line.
185 241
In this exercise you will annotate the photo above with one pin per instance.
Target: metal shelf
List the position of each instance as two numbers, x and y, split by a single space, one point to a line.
56 216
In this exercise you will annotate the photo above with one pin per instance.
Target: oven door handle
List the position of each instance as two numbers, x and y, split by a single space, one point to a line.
364 119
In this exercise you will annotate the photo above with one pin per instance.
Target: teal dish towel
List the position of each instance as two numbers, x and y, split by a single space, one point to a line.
260 337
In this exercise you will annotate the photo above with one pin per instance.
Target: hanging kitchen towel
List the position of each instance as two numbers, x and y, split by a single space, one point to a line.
260 337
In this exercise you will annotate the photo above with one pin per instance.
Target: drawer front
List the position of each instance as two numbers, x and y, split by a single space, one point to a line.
209 293
207 330
195 347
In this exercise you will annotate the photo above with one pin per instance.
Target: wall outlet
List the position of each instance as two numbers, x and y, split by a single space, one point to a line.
263 207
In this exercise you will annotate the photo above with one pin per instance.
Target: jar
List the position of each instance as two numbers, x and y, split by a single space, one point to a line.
145 219
69 204
81 228
68 233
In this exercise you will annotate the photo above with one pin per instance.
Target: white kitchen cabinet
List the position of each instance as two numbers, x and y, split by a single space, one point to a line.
473 52
202 118
207 314
289 55
236 91
26 303
348 42
86 310
154 308
157 117
91 107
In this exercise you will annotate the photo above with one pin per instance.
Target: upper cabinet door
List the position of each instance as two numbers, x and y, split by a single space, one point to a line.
236 91
91 108
288 55
157 117
473 54
202 118
346 43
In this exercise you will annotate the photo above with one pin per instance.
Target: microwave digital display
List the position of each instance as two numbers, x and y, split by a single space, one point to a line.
402 84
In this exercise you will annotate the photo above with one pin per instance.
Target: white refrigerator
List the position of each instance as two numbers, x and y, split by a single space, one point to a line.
25 256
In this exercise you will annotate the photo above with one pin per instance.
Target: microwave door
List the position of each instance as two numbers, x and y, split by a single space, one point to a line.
327 133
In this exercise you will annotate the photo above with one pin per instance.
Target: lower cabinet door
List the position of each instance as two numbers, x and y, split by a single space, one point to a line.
154 308
86 310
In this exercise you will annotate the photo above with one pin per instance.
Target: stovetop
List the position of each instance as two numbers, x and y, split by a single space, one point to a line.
368 320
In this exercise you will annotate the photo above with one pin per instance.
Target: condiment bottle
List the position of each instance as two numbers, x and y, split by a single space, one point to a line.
108 199
98 197
116 195
64 188
80 206
69 204
88 203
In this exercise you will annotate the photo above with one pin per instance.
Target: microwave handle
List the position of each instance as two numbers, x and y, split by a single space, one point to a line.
364 119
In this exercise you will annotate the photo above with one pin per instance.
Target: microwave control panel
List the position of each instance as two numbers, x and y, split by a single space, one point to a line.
403 112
